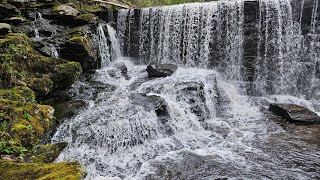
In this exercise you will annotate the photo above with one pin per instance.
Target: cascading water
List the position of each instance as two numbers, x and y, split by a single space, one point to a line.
197 123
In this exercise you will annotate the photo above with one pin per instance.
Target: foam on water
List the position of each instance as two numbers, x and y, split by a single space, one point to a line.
122 131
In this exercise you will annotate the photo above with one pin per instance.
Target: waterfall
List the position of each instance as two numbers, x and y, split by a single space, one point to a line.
54 52
205 121
107 54
220 35
115 49
103 47
37 19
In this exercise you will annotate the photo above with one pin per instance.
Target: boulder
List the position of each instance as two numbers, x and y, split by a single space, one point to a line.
80 47
65 10
161 70
4 29
295 113
7 10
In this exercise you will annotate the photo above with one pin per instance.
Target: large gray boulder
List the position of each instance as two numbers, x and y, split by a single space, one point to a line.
295 113
161 70
4 29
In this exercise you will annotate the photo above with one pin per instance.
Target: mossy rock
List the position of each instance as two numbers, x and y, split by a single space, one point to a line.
19 93
19 64
67 73
47 153
27 121
42 86
80 48
31 171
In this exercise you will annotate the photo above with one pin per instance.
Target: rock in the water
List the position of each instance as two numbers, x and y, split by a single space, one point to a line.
161 70
4 29
295 113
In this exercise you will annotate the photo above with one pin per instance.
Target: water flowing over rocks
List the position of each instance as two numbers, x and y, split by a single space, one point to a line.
207 119
161 70
295 113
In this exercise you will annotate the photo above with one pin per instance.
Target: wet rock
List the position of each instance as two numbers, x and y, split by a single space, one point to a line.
68 109
8 10
295 113
15 20
4 29
161 70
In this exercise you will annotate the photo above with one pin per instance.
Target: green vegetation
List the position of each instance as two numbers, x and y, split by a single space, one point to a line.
22 171
147 3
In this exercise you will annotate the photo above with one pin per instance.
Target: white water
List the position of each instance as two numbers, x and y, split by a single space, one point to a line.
211 35
194 124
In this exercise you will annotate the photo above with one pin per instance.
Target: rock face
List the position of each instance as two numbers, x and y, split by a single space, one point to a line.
65 10
4 29
161 70
8 10
295 113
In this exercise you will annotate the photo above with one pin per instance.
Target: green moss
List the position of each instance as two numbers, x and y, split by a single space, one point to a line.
42 86
19 93
89 8
27 122
87 17
67 73
47 153
61 171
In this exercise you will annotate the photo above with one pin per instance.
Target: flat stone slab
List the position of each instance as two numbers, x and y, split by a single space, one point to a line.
295 113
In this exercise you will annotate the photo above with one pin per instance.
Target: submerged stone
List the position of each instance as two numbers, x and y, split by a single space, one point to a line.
295 113
161 70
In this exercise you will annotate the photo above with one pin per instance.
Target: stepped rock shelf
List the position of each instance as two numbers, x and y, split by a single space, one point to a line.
295 113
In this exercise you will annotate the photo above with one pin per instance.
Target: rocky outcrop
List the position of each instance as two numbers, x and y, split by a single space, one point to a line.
15 20
4 29
295 113
161 70
65 11
8 10
79 47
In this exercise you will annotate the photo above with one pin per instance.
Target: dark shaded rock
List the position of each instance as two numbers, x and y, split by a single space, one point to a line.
84 19
161 70
8 10
79 47
68 109
15 20
4 29
295 113
47 153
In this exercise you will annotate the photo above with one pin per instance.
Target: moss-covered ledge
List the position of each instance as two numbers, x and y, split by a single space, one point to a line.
31 171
